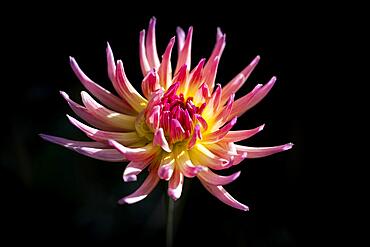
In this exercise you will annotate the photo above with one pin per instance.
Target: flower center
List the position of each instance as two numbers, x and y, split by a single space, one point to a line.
179 118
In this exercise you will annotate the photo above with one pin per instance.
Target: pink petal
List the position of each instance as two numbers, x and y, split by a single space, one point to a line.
251 99
259 152
128 138
153 117
166 167
239 135
235 84
186 166
149 184
144 64
210 75
180 38
165 69
127 91
151 47
217 52
150 83
222 116
214 103
200 155
175 184
219 134
160 140
220 193
196 135
117 120
111 63
135 154
106 97
94 150
195 77
184 56
83 113
212 178
133 169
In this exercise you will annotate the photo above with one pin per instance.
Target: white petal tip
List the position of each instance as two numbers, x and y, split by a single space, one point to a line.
130 178
261 127
288 146
173 194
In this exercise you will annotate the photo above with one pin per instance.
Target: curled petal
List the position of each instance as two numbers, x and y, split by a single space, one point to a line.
135 154
184 56
180 38
238 81
220 193
210 75
165 69
251 99
83 113
144 64
106 97
150 83
239 135
195 77
166 167
117 120
200 155
219 134
217 52
215 179
160 140
128 138
196 135
143 191
133 169
175 184
127 91
185 165
259 152
110 63
151 46
94 150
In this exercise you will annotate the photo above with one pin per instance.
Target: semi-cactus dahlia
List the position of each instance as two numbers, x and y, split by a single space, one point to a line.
180 127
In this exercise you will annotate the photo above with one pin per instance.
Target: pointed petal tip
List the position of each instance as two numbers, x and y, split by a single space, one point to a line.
288 146
261 127
130 178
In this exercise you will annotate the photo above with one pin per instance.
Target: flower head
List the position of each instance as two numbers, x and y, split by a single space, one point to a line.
180 127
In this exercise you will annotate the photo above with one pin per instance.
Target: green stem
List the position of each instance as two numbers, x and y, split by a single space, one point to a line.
170 216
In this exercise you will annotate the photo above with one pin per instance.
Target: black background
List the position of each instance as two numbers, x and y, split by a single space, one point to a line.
51 194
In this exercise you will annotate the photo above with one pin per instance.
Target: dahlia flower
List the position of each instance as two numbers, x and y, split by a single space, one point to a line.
180 126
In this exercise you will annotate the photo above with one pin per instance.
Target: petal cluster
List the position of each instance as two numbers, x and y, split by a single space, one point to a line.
180 126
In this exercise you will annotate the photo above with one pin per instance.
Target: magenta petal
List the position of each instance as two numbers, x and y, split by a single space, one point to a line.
160 139
149 184
224 196
94 150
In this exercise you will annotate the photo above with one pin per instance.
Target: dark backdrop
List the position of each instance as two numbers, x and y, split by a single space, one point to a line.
51 194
